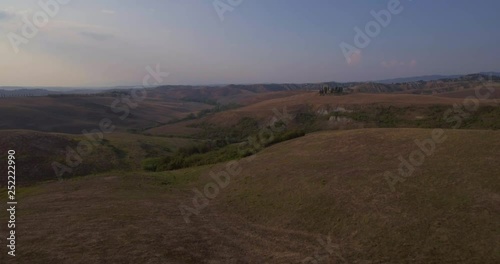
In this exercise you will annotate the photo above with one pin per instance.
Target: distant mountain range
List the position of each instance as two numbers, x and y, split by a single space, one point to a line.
15 91
427 78
10 91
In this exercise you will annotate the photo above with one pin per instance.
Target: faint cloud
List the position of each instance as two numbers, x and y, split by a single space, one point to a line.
72 25
109 12
397 63
10 20
97 36
7 15
69 28
4 15
390 64
355 57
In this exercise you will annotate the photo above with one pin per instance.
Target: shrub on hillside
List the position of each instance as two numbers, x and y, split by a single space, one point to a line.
286 136
152 164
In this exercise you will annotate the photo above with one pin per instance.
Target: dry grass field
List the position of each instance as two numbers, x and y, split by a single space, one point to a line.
326 185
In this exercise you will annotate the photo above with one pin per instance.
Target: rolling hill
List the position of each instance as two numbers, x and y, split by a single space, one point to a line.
37 152
323 195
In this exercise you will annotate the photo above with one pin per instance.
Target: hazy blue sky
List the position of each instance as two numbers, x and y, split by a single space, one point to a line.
110 42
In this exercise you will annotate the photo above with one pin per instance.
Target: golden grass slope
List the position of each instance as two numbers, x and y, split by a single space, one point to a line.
264 110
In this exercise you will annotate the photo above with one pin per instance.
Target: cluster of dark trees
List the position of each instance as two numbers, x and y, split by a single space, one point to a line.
331 90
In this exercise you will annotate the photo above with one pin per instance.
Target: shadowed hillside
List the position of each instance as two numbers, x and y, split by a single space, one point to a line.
36 153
